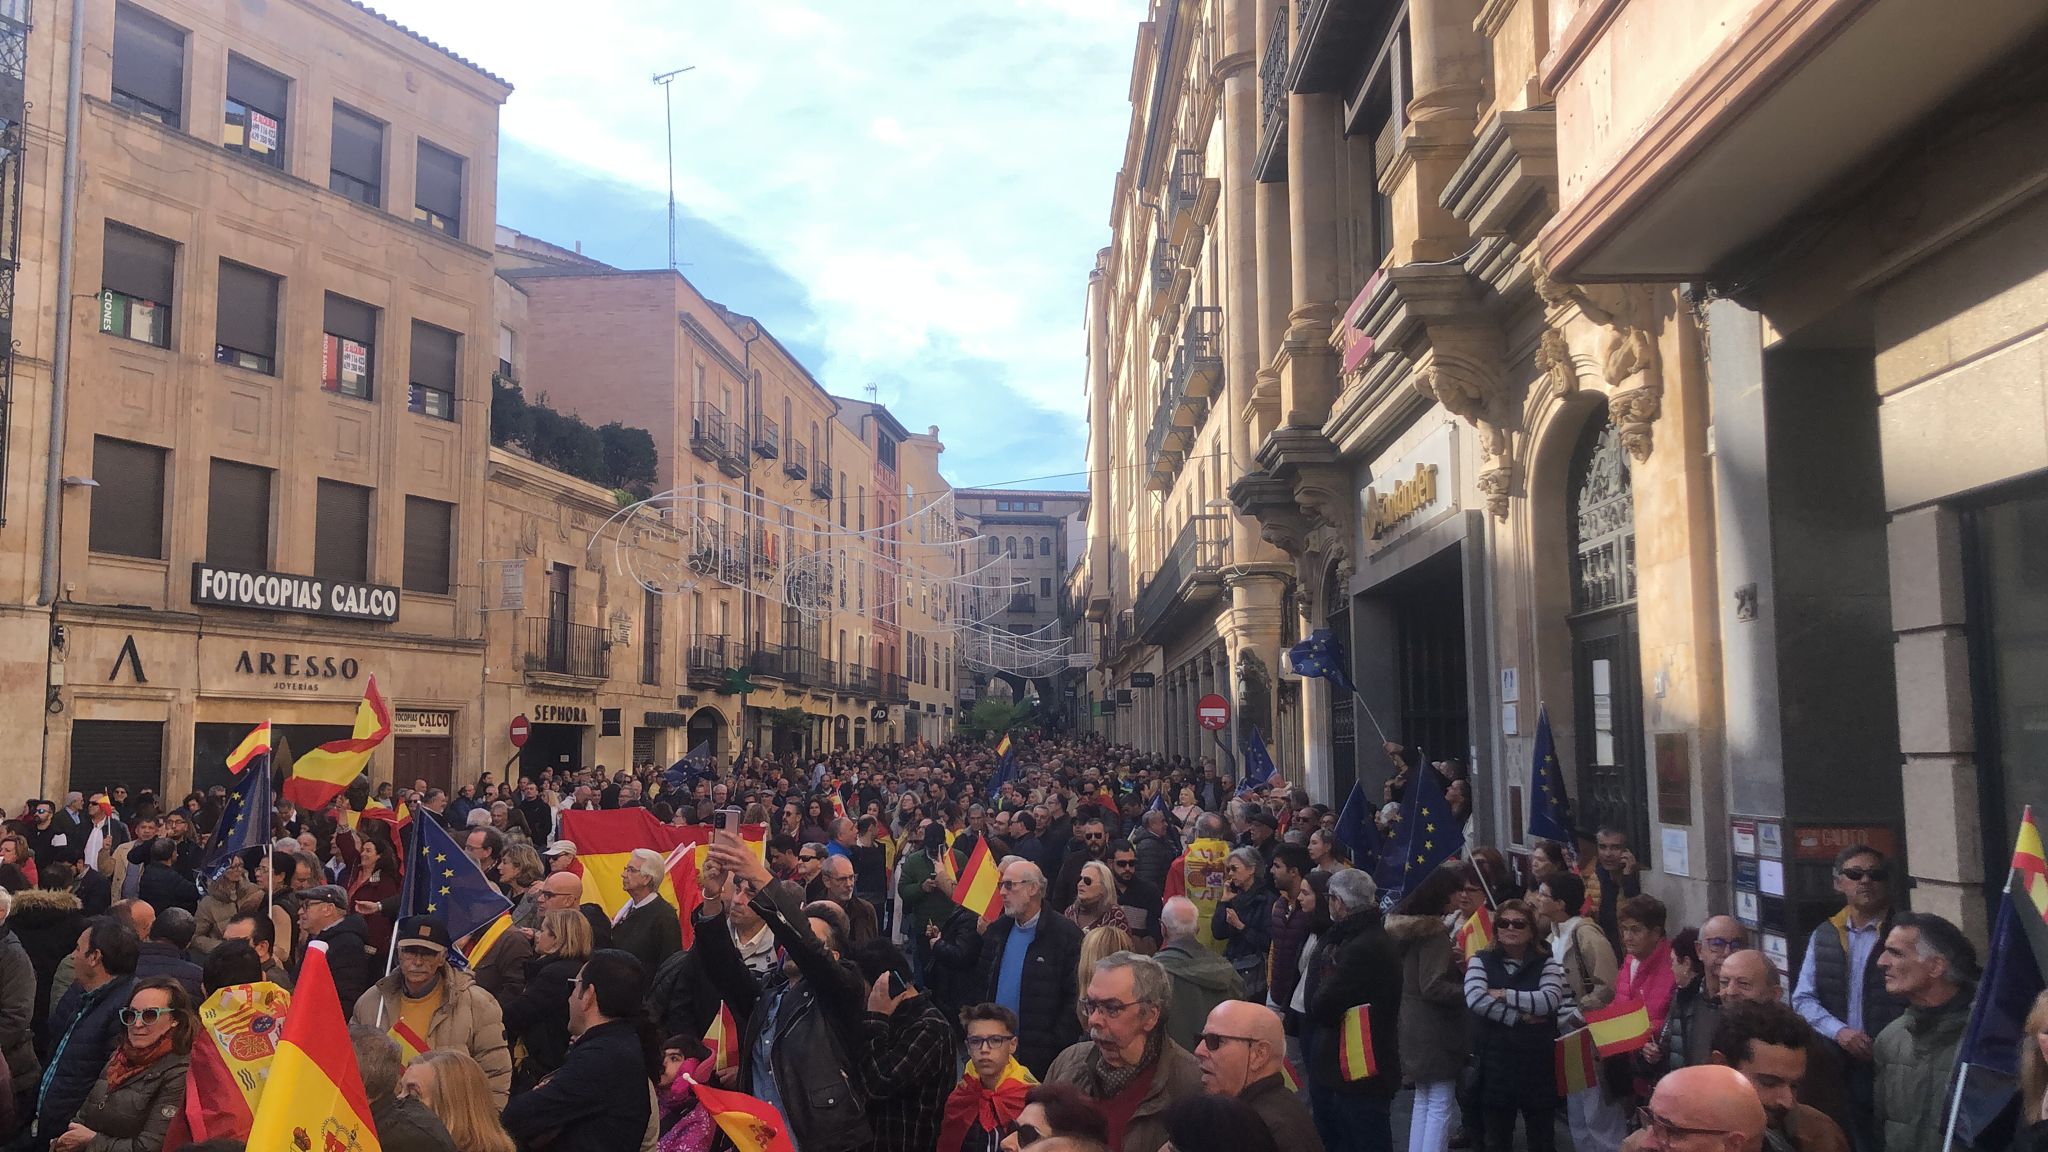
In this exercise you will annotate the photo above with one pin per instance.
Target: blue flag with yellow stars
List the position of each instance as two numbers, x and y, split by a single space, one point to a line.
1434 833
441 880
1259 769
245 818
1321 656
1549 804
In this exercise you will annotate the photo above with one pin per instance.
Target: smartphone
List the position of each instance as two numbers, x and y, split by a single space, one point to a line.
729 819
896 984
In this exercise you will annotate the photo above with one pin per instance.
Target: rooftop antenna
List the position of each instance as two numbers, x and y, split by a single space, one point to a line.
874 391
667 82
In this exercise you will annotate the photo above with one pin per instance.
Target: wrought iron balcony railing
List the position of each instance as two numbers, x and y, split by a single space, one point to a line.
796 461
767 437
560 648
1191 573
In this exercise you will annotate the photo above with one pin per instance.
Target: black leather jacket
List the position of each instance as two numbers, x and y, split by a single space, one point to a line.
817 1028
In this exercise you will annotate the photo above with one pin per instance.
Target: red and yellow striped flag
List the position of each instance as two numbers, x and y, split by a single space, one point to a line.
1577 1070
1475 935
1622 1026
314 1097
752 1125
723 1038
481 940
2030 863
976 890
410 1043
1290 1076
1355 1060
256 743
325 772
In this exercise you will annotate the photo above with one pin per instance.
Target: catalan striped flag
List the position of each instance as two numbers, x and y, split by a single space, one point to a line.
1475 935
1355 1059
752 1125
1577 1066
314 1097
1622 1026
256 743
977 889
325 772
723 1038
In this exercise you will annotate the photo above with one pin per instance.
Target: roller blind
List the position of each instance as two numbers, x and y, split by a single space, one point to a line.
429 532
341 532
248 310
238 516
138 264
433 357
149 60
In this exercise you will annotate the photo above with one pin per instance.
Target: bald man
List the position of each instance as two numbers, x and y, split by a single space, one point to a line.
1704 1108
1749 976
1241 1050
565 890
1720 938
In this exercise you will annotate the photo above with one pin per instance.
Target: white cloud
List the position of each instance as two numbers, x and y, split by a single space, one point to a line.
937 175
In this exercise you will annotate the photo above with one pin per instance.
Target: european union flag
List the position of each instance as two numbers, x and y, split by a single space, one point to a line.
1549 803
1988 1063
1434 833
1259 769
441 880
244 820
1158 802
1357 828
683 774
1321 657
1006 770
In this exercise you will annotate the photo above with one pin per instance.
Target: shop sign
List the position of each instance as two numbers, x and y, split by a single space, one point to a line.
1413 492
560 714
296 671
421 722
1819 844
281 592
665 720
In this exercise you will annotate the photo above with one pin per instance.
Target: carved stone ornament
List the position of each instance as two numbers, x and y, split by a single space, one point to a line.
1497 468
1628 351
1254 692
1554 359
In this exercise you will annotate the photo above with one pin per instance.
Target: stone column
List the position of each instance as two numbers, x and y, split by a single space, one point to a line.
1274 271
1240 241
1308 374
1448 62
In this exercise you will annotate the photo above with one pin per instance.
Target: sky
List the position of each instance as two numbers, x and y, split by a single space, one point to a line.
909 193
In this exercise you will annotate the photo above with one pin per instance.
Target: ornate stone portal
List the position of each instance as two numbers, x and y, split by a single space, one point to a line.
1626 313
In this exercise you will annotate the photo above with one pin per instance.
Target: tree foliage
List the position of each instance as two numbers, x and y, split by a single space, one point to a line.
992 717
616 456
629 458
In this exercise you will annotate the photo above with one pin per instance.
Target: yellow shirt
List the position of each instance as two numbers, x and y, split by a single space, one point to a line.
415 1020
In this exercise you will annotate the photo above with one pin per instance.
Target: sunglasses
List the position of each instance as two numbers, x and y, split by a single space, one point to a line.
1511 925
145 1016
1216 1040
1027 1135
1879 874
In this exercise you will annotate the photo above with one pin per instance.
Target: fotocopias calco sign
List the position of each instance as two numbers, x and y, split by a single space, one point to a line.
283 592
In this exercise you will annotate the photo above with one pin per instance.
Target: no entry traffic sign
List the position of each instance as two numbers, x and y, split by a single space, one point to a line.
519 730
1213 711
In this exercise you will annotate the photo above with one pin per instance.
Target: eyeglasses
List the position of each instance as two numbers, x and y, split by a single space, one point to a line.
1878 874
1512 925
1013 885
1109 1008
1720 944
145 1016
806 859
1215 1040
986 1043
1663 1130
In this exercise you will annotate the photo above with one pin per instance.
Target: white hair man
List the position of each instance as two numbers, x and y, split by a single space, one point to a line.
1030 964
1201 978
1357 964
1127 1065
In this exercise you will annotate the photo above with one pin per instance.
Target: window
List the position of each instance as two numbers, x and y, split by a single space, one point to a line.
1009 545
254 124
128 505
505 372
341 532
429 543
355 164
994 545
650 637
1045 545
346 349
1002 505
135 285
149 66
1045 586
860 504
437 190
238 516
433 372
1036 506
246 330
1030 550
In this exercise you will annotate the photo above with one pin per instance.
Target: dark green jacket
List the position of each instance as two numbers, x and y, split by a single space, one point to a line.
1916 1056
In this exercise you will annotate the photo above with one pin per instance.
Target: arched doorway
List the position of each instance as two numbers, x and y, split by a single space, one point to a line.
707 729
1606 663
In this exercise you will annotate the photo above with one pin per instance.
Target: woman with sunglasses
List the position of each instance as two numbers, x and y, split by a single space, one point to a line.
143 1087
1056 1110
1515 990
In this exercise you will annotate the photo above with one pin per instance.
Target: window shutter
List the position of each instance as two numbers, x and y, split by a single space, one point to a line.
104 753
238 516
257 86
438 185
128 505
341 532
138 264
358 146
351 320
433 357
149 58
248 310
429 538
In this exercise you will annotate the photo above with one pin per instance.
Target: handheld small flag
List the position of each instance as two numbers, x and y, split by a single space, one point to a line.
1006 767
1622 1026
256 743
977 889
1357 828
2015 972
723 1038
753 1126
441 880
1475 935
1577 1069
326 771
314 1098
1259 769
245 818
1355 1060
1549 804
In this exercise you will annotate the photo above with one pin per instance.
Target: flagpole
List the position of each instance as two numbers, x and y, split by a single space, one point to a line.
1955 1104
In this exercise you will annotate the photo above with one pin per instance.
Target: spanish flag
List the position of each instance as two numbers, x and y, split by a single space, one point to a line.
723 1038
1476 934
976 890
751 1125
606 839
1577 1070
2030 867
1290 1076
1003 746
1354 1047
322 774
314 1097
480 941
256 743
1622 1026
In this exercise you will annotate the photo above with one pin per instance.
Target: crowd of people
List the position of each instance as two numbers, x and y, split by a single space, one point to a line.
1171 966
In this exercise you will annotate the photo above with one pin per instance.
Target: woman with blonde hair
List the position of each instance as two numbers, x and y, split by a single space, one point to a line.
1095 898
452 1085
537 1020
2033 1121
1095 944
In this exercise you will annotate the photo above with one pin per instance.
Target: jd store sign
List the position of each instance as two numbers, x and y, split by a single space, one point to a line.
1412 492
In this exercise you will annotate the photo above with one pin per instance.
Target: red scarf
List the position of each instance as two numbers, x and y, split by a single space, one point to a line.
994 1108
130 1061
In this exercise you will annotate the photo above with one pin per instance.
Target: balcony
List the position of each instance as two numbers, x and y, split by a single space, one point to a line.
821 484
767 437
895 689
1190 195
710 433
557 648
1200 361
1332 37
709 546
1189 582
772 661
1121 637
1165 263
707 662
801 666
828 674
1023 602
794 462
1271 165
767 556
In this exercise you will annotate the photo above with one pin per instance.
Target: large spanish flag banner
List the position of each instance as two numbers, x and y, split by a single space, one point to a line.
314 1098
325 772
1577 1069
752 1125
606 839
1622 1026
976 890
1355 1060
230 1059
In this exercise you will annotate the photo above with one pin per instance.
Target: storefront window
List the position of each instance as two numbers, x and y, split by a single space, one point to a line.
2012 634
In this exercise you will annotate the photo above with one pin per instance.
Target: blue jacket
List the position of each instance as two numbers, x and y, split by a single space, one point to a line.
80 1047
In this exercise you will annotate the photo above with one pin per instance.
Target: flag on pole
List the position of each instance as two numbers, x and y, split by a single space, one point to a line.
322 774
1356 826
314 1098
1158 802
441 880
976 889
1577 1068
245 818
1006 767
1475 935
723 1038
1434 832
1549 803
1622 1026
752 1125
1259 769
1355 1059
1321 657
2015 972
256 743
605 840
230 1061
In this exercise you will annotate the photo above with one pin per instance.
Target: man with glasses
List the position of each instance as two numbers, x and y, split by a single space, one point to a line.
1140 898
838 878
1241 1051
425 1004
1030 964
1841 992
1706 1108
1092 835
565 890
810 871
1127 1065
983 1108
646 925
595 1102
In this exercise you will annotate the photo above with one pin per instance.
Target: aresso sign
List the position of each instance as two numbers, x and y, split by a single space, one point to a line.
281 592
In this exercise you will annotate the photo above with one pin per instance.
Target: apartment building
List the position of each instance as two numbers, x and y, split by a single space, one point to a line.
1027 544
275 390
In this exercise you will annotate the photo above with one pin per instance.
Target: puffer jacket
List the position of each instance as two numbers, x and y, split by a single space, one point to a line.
1916 1056
468 1020
1201 980
225 899
1155 856
1433 1015
47 924
17 1010
136 1117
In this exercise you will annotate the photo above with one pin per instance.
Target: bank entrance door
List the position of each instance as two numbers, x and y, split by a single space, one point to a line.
1606 665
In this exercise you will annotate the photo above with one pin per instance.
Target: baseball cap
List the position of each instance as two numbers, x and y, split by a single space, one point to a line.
423 932
561 848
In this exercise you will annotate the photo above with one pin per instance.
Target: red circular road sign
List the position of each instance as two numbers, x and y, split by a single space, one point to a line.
519 730
1213 711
